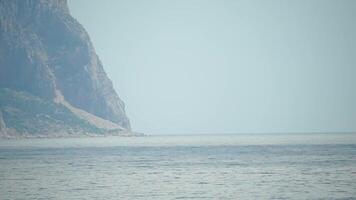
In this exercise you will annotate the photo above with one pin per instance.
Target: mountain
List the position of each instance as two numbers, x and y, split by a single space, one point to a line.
52 81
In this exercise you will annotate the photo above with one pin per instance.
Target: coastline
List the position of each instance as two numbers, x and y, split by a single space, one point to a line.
21 136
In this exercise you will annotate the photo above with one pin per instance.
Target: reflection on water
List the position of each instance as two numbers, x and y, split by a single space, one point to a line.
180 167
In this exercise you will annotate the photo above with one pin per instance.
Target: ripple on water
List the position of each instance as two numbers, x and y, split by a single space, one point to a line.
199 172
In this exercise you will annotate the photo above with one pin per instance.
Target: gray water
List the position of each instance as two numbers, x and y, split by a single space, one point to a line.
273 166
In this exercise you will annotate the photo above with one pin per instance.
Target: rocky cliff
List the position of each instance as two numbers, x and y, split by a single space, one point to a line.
45 52
2 124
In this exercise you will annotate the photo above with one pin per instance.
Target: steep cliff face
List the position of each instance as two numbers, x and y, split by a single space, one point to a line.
2 123
46 52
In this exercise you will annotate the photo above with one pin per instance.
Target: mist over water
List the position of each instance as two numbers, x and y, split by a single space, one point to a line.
284 69
275 166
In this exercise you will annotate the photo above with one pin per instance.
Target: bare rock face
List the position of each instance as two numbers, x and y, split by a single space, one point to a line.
45 51
2 123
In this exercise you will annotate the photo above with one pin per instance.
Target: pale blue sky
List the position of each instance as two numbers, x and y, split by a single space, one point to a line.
228 66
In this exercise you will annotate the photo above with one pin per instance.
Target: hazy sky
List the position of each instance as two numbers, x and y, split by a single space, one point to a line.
228 66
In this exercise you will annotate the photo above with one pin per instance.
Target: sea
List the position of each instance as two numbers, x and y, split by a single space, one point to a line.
236 166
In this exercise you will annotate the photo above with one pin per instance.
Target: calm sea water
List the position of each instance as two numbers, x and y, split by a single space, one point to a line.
273 166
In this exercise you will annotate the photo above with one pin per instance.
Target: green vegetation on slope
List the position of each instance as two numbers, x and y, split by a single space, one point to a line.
33 115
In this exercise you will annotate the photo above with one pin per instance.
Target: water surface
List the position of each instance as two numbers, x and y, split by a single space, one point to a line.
251 166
